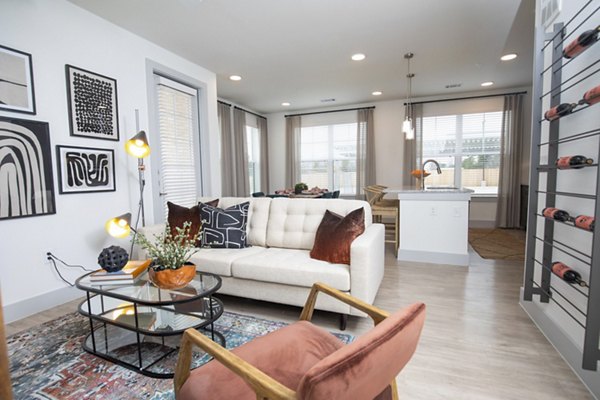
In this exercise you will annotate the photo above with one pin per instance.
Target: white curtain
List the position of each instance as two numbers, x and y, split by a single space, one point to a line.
292 150
365 150
509 186
240 151
227 161
264 154
413 148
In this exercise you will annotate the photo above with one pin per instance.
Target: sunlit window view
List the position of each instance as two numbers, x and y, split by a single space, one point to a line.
328 157
253 146
467 147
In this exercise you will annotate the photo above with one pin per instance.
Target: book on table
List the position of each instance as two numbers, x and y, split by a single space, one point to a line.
129 274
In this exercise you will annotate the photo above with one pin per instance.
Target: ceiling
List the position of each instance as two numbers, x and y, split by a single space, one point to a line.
299 51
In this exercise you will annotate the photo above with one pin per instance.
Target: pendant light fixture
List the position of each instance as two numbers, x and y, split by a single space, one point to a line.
407 125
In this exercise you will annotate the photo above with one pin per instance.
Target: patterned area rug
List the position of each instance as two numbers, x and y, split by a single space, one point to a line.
47 362
498 244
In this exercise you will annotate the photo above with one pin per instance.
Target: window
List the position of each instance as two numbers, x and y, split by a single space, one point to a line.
328 153
178 130
467 147
253 145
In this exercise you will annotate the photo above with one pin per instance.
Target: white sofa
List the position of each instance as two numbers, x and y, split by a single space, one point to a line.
277 266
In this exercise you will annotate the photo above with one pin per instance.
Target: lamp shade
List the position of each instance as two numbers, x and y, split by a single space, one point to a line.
120 226
408 129
138 146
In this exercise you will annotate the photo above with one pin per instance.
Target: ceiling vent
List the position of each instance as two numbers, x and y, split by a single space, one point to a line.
327 100
453 85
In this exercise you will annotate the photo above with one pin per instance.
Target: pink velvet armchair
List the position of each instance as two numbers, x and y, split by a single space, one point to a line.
303 361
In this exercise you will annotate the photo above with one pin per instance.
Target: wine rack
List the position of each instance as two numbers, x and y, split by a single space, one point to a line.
544 246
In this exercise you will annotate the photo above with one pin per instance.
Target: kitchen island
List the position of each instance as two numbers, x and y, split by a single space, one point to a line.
434 224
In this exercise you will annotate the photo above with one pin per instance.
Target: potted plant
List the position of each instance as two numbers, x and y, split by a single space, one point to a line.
299 187
170 254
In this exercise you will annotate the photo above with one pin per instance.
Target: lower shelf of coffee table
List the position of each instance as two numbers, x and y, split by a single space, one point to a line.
150 355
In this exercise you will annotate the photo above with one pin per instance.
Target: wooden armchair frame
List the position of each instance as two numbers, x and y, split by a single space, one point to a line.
264 386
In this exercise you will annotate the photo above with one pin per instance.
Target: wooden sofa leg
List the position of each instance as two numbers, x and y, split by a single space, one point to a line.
343 321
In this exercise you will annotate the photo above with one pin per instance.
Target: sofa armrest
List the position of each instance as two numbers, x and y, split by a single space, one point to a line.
150 231
367 263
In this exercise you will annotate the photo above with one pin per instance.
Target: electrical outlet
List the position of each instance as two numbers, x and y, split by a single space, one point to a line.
433 211
47 258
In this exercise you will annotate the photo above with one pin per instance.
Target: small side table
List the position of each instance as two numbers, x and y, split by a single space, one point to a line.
138 326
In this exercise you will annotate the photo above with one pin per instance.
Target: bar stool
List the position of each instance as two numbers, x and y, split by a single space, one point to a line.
385 208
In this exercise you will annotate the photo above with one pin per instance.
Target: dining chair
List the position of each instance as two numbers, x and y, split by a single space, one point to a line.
381 208
258 194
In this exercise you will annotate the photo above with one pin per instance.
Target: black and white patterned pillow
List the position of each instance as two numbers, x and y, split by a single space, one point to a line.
224 228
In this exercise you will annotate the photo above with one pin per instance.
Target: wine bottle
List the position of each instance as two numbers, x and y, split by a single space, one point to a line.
567 274
574 162
592 96
559 111
557 214
585 222
583 41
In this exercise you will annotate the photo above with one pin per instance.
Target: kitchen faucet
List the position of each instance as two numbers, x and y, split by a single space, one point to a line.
439 171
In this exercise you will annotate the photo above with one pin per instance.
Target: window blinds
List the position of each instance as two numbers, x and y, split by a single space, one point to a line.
178 170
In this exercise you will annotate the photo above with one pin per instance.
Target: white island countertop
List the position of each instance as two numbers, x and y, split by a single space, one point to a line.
432 193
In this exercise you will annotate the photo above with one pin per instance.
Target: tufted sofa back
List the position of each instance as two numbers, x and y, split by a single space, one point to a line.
289 223
293 223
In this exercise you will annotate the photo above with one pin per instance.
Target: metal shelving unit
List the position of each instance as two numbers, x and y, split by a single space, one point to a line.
538 273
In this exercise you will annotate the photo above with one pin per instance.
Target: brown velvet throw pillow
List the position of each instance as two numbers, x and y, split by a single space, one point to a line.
178 215
335 235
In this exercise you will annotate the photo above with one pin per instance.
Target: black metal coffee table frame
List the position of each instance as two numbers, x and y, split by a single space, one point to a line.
99 338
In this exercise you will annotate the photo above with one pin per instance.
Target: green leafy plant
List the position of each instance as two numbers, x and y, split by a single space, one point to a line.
169 251
300 186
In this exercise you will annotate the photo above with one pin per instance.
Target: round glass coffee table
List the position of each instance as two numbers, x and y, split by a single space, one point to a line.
139 326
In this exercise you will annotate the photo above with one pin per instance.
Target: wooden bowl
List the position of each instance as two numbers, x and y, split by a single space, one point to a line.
173 278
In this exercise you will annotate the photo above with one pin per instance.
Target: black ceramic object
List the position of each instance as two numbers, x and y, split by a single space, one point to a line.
113 258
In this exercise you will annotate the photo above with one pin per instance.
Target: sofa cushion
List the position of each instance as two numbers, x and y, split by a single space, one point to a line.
258 216
218 261
293 223
291 267
336 234
178 215
224 228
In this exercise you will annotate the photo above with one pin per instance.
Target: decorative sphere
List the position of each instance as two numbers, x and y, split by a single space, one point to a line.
113 258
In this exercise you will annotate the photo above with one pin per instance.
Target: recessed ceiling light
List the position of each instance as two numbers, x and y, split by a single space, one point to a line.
377 93
285 104
508 57
235 78
358 57
489 83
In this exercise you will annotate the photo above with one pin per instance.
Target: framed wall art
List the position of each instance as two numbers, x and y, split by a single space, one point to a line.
85 169
93 108
16 81
26 179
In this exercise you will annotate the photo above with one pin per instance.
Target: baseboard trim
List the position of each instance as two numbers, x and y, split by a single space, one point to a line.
433 257
25 308
482 224
563 344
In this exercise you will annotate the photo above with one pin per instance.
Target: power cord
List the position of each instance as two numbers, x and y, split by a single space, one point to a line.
53 259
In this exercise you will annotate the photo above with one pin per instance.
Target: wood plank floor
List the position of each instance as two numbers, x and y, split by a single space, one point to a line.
477 342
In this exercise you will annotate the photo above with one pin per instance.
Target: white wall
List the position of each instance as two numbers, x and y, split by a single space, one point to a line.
564 333
388 117
58 33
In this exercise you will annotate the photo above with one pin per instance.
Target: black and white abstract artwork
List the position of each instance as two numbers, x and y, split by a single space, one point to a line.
85 170
93 108
16 81
26 179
